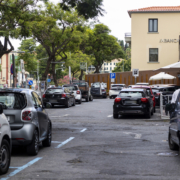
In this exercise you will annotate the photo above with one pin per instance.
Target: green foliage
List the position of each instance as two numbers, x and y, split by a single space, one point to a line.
121 43
86 8
119 66
102 46
29 55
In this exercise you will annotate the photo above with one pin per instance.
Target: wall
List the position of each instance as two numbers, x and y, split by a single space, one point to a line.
142 40
128 79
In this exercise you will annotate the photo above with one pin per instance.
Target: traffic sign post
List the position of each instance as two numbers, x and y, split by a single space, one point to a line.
30 82
135 73
112 75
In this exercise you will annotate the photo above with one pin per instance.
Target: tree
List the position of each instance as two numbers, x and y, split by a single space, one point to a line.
102 46
58 32
14 17
74 61
121 43
119 66
87 8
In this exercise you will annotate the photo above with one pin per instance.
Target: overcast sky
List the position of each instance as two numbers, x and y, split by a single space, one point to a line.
116 16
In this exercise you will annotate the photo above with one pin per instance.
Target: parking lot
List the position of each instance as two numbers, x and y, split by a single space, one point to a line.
89 144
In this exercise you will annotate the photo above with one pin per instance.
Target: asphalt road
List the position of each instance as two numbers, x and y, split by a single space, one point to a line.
89 144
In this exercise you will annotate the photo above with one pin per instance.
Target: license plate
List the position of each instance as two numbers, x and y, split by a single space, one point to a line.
130 102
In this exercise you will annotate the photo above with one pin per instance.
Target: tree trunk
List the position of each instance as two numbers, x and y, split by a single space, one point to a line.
4 48
47 69
97 69
54 74
80 77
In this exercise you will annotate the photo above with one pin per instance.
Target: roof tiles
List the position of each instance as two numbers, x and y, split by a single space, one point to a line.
156 9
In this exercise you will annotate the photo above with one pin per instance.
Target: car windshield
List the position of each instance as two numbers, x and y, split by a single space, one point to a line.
72 88
54 90
131 94
12 100
96 85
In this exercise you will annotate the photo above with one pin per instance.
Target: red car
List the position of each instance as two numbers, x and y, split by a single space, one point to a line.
149 90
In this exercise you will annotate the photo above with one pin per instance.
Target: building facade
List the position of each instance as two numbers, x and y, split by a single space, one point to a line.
155 37
108 67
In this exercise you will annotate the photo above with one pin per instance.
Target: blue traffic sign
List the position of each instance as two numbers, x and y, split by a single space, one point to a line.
30 82
11 69
48 80
112 75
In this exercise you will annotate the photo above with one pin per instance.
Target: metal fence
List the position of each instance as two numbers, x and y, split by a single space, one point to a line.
164 99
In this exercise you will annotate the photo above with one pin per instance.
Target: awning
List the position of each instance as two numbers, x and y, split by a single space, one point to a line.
171 66
161 76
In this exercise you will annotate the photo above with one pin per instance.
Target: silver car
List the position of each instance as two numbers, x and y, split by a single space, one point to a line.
28 119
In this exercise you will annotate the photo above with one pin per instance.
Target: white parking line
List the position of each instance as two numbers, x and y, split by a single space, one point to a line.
66 115
137 136
56 142
21 168
110 116
83 130
65 142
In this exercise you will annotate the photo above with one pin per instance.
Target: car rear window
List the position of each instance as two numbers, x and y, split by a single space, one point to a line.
12 100
131 94
54 90
72 88
96 85
117 86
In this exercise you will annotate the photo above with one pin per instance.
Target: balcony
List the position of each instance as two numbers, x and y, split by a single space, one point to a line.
128 38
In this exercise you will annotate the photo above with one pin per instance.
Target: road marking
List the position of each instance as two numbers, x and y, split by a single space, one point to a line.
110 116
66 115
78 105
21 168
137 136
55 142
83 130
54 116
65 142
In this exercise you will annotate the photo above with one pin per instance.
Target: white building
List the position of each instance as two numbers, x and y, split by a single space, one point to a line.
108 67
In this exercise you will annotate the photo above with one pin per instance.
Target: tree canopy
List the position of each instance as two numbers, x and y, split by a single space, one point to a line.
87 8
124 65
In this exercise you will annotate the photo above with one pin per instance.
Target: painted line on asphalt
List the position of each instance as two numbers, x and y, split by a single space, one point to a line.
78 105
110 116
137 136
21 168
83 130
56 142
65 142
54 116
66 115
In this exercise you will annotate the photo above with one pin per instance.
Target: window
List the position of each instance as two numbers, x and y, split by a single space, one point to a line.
110 63
104 63
153 54
110 68
153 25
37 99
114 63
107 68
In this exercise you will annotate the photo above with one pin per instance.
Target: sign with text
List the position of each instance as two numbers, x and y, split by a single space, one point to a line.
135 72
112 75
83 66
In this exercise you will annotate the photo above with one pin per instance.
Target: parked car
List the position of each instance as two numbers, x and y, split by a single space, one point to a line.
165 90
115 89
59 96
28 119
133 101
5 143
174 129
85 90
142 83
150 93
98 89
77 93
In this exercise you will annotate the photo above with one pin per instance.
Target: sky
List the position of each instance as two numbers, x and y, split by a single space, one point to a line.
116 16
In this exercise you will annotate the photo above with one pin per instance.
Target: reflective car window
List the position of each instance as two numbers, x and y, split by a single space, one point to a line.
37 99
54 90
131 94
66 90
12 100
72 88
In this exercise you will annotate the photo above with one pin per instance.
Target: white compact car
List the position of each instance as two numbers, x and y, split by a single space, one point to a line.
76 92
115 89
5 143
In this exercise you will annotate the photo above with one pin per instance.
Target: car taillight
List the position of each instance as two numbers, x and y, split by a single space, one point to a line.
63 95
144 100
26 115
158 94
117 100
103 89
43 96
78 92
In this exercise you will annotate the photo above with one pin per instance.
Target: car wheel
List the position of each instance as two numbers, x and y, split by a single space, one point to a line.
5 157
172 145
87 99
152 112
33 148
67 105
47 141
105 96
115 116
148 115
154 109
80 101
74 103
91 98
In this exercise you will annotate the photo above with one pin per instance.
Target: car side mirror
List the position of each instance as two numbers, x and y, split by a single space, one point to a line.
1 109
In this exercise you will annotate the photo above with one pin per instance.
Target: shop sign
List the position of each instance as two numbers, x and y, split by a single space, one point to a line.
169 40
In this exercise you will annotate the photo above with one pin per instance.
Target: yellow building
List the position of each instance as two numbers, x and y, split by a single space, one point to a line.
155 34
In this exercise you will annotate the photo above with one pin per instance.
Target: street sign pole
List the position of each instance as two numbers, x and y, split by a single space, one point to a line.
14 72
